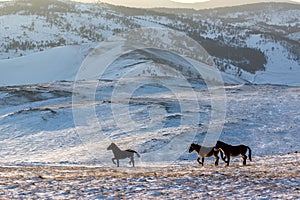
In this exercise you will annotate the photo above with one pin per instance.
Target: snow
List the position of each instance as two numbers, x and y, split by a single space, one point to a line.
146 22
62 63
42 30
54 147
279 69
264 179
36 129
59 63
38 120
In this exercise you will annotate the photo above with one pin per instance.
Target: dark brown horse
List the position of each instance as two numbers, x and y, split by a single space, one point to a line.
230 150
205 152
120 154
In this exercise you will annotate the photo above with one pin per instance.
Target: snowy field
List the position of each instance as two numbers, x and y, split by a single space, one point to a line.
268 177
38 123
44 153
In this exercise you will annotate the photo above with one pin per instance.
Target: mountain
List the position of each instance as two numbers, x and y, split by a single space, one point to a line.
173 4
257 43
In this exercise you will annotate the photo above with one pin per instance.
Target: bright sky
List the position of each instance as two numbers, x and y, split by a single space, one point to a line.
193 1
189 1
183 1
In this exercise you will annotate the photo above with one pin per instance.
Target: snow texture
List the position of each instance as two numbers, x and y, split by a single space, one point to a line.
268 177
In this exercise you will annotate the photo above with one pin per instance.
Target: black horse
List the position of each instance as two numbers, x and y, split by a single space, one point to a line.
205 152
120 154
230 150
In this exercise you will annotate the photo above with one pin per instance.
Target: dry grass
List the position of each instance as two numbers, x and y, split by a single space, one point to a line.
258 179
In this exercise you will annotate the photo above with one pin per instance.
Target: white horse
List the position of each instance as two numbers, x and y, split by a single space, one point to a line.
120 154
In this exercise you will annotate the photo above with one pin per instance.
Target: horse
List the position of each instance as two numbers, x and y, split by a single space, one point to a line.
205 152
120 154
230 150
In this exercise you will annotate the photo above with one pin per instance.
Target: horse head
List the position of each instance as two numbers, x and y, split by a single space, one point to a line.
111 146
193 147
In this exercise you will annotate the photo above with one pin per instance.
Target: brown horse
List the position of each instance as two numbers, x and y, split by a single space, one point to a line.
230 150
120 154
205 152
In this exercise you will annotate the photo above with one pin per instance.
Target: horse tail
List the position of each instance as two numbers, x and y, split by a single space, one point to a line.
249 153
133 151
138 155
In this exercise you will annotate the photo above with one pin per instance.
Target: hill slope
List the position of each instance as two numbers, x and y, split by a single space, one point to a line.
175 4
258 43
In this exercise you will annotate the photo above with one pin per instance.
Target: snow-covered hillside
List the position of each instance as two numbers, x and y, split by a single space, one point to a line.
38 123
30 26
60 63
257 43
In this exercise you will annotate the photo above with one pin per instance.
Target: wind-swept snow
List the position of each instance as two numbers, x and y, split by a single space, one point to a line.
38 124
268 177
56 64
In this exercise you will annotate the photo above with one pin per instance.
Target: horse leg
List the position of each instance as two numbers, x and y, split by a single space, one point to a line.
228 159
217 160
198 159
132 161
117 162
202 161
113 160
244 159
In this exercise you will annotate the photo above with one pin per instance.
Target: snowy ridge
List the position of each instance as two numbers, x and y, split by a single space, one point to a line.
61 63
266 36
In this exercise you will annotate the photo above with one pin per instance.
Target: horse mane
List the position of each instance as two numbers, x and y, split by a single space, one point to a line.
130 150
114 146
223 143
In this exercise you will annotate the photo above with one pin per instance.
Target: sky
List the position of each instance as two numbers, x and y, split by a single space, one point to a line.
193 1
183 1
189 1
